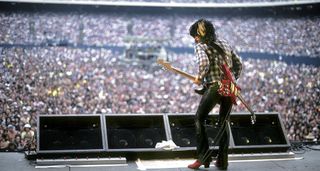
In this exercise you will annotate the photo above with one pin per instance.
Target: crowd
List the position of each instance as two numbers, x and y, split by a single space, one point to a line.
279 35
62 80
42 78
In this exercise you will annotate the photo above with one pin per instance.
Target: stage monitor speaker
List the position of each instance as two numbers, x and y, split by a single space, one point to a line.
133 131
268 130
65 133
183 129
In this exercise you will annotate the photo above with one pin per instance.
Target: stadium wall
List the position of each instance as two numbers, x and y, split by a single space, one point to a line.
286 10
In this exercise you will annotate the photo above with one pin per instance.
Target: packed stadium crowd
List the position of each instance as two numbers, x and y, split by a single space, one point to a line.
62 80
42 78
279 35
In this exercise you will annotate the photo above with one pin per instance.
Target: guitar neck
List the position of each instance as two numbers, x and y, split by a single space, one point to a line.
245 104
190 77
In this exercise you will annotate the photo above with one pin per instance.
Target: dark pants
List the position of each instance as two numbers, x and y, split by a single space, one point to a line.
209 99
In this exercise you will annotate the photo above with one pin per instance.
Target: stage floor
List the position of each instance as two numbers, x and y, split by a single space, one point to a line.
307 161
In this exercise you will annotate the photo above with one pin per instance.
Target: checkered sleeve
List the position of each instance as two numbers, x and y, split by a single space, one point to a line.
202 60
236 65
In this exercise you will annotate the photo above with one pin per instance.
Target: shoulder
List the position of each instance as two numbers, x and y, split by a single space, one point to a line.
201 46
226 47
224 44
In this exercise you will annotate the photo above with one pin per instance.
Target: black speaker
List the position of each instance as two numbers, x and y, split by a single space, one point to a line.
268 130
134 131
70 133
183 130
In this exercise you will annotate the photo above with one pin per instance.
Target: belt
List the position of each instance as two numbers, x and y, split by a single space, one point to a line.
212 83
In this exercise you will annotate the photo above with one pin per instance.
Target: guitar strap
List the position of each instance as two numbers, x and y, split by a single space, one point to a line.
221 52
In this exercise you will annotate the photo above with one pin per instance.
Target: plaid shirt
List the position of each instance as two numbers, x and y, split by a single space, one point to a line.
209 61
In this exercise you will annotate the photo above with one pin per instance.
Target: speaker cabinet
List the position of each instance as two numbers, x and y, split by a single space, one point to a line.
134 131
267 131
141 132
183 130
65 133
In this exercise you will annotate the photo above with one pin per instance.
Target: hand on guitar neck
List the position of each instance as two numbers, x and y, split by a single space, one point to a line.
197 81
166 65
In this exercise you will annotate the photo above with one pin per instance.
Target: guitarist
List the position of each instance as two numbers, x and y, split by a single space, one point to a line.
211 53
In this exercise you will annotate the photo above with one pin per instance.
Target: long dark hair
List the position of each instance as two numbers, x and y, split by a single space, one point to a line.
206 31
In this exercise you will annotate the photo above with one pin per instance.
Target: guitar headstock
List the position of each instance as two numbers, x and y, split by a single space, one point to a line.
164 63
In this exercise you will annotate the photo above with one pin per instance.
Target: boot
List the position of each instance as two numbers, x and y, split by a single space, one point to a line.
220 165
197 164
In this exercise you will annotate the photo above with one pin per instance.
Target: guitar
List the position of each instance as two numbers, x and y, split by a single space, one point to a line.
228 86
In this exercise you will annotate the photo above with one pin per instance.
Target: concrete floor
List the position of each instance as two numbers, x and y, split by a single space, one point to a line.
306 161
